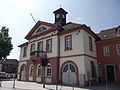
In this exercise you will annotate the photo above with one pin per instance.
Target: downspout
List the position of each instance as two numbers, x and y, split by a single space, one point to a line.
58 61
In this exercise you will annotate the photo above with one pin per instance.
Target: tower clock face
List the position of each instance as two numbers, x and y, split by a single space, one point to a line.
58 15
63 16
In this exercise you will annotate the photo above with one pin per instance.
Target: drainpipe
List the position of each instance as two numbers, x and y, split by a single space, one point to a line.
58 63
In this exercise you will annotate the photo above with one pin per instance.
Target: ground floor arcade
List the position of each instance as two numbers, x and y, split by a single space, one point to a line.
73 70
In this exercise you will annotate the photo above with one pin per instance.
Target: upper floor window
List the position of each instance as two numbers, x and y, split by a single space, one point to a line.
48 70
40 46
118 49
90 44
68 42
49 45
41 29
39 70
106 51
32 47
31 69
25 52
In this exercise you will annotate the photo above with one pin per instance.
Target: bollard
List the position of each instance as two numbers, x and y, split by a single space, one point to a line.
0 83
14 83
74 84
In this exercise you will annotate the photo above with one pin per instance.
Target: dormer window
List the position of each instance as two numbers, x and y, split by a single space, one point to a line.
105 36
118 32
41 29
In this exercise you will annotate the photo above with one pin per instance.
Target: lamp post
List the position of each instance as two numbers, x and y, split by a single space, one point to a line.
44 63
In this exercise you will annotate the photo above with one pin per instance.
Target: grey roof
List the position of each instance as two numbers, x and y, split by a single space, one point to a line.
70 26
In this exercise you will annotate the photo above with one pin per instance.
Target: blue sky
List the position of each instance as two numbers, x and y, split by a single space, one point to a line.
15 15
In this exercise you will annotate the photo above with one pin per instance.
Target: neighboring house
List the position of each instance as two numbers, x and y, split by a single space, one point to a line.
70 48
10 66
108 54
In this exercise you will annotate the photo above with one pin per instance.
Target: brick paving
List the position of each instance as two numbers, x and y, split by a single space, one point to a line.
19 85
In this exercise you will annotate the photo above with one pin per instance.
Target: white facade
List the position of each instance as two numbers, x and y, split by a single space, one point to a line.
73 56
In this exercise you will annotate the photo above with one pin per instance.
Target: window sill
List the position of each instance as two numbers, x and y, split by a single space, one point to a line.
68 49
48 52
30 75
48 76
106 56
38 76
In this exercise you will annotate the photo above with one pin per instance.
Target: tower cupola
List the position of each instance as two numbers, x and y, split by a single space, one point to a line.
60 17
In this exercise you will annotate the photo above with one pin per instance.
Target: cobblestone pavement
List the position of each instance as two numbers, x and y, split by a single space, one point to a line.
19 85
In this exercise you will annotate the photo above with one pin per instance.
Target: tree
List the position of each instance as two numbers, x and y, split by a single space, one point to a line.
5 43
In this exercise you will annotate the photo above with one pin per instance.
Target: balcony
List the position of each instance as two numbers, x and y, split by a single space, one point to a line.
36 54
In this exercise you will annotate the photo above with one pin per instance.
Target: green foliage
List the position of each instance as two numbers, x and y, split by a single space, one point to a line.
5 43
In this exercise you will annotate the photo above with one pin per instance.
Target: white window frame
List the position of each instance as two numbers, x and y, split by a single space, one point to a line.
68 42
48 68
32 48
106 51
118 49
39 70
40 46
49 45
31 70
90 44
25 52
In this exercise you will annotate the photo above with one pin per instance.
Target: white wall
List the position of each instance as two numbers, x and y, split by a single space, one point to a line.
54 52
77 44
21 58
86 44
88 67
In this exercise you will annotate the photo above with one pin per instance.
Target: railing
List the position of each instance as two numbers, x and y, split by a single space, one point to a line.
36 54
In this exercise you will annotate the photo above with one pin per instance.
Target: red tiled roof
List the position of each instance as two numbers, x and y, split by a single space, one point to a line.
109 33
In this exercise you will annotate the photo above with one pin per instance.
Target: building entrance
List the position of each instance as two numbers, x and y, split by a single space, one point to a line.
69 74
110 73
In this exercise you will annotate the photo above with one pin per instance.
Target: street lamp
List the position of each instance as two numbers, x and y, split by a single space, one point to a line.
44 63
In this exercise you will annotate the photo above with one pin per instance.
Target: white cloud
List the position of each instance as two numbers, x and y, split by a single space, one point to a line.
79 19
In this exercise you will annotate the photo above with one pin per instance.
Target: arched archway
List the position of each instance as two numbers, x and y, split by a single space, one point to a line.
23 72
69 73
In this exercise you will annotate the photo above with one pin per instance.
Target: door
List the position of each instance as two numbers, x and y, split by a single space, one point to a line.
110 73
69 74
23 73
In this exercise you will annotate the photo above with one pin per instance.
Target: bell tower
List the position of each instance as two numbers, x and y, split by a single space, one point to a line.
60 17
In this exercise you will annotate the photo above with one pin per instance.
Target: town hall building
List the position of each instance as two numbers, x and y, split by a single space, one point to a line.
70 48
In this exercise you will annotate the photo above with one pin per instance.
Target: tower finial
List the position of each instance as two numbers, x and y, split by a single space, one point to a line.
60 6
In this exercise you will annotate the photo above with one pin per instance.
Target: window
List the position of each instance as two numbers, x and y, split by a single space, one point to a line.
68 42
32 47
24 51
92 69
31 70
118 32
118 49
72 68
40 46
39 70
41 29
48 70
90 44
106 51
49 45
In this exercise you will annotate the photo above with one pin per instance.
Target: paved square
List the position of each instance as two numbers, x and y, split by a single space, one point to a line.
20 85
